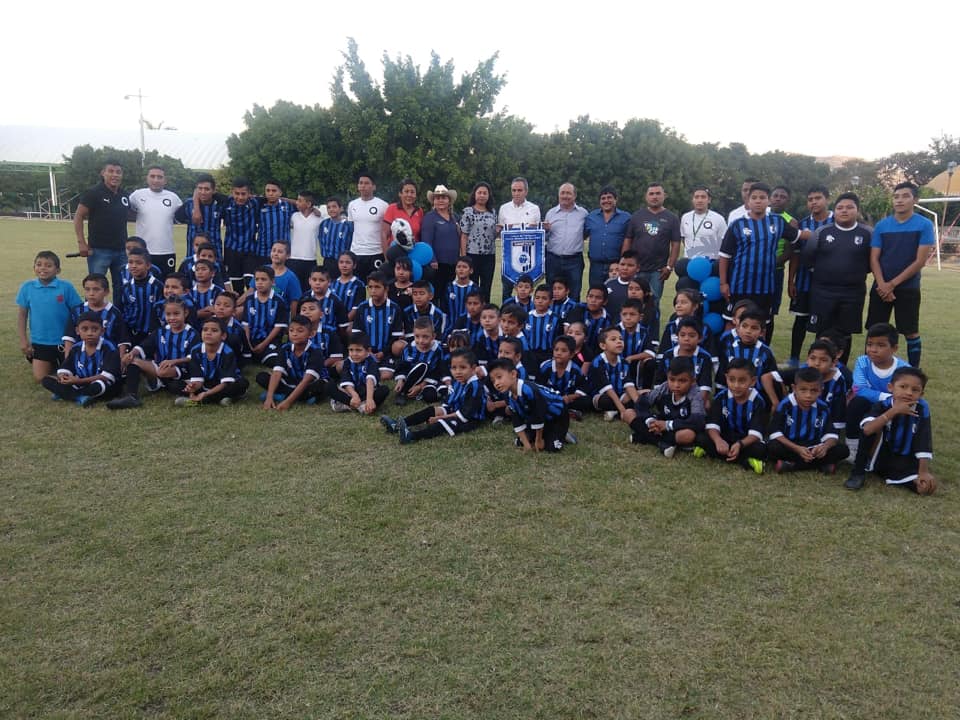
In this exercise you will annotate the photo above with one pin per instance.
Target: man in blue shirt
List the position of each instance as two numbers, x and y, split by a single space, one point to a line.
900 247
606 227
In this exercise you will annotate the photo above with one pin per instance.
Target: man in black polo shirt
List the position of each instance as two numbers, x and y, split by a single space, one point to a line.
106 208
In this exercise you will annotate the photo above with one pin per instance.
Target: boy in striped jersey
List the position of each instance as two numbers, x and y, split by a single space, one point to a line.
802 436
90 369
522 294
422 366
240 215
749 345
380 320
594 316
458 289
614 389
299 374
748 253
638 348
214 375
204 291
162 357
541 328
275 221
202 214
348 287
334 312
225 310
470 320
203 250
461 412
801 278
336 236
328 342
897 437
540 418
95 290
265 316
689 336
138 295
564 376
737 420
487 346
562 302
422 293
359 386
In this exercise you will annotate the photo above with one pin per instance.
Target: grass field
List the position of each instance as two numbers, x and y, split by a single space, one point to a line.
226 562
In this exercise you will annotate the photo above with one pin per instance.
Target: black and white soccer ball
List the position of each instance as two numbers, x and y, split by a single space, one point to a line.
403 233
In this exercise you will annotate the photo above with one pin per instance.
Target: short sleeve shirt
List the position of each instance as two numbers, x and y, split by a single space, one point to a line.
367 218
480 227
107 219
155 211
898 243
48 307
650 235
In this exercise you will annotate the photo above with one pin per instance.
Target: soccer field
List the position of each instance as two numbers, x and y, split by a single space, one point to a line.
227 562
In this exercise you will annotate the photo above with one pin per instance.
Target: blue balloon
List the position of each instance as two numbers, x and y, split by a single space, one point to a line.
422 253
714 321
416 270
711 288
699 269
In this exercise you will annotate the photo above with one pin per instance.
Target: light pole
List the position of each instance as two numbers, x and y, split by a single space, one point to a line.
951 168
143 145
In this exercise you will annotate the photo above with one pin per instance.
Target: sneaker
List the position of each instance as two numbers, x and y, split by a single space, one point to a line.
855 481
389 424
406 437
854 445
339 407
575 415
184 401
610 415
699 452
570 439
498 420
83 400
401 399
784 466
669 451
755 465
828 469
124 402
517 442
226 402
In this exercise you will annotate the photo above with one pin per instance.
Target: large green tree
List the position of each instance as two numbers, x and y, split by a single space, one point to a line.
82 168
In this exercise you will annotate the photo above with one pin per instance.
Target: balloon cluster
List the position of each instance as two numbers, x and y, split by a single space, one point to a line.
700 274
420 254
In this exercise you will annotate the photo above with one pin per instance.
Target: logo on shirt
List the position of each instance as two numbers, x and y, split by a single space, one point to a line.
707 224
166 201
373 210
124 201
830 238
652 228
747 232
858 240
772 228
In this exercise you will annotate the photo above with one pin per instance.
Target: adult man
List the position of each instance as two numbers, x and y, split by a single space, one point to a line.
564 224
654 234
900 247
606 227
202 214
702 229
838 254
366 214
107 208
743 210
518 214
156 208
801 278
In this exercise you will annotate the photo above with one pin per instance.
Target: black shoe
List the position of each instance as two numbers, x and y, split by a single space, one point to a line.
784 466
855 481
406 437
122 403
401 399
389 423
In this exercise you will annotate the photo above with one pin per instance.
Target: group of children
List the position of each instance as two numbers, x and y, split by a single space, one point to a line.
538 361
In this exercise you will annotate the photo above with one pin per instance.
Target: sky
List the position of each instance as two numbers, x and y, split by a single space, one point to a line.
813 77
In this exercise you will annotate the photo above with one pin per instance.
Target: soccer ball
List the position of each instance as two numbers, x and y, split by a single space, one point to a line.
403 233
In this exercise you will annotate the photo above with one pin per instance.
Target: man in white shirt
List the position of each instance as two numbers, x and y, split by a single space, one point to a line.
564 226
155 207
366 214
743 210
702 229
305 236
518 214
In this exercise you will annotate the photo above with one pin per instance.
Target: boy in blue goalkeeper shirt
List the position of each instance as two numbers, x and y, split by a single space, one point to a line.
214 374
299 374
462 411
265 317
91 368
802 436
540 418
897 437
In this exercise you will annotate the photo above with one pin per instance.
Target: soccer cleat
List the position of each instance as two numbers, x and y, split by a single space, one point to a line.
575 414
406 437
83 400
699 452
401 399
184 401
855 481
339 407
784 466
389 423
225 402
756 465
570 439
669 451
498 420
517 442
610 415
122 403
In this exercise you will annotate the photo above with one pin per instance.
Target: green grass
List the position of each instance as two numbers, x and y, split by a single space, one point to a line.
226 562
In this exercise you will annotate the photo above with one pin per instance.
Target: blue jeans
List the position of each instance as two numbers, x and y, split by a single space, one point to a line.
100 260
569 266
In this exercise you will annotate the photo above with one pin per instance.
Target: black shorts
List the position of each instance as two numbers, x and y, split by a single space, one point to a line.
841 310
366 264
800 305
302 269
764 302
906 308
232 263
48 353
166 263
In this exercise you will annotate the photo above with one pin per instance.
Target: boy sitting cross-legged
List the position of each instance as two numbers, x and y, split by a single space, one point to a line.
670 415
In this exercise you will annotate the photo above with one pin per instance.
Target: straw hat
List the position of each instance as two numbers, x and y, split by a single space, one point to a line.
442 190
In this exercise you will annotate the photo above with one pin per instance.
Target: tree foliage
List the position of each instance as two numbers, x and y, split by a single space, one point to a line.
83 166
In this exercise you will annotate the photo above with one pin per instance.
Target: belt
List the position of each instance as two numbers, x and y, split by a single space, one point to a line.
572 255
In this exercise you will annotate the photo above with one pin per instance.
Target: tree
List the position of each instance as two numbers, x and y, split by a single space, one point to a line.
83 166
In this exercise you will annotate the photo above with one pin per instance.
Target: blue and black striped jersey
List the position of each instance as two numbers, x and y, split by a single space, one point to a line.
593 324
636 341
905 435
240 222
382 324
165 344
434 357
204 298
263 316
474 329
533 406
105 361
804 427
114 326
735 420
273 225
187 266
456 299
702 368
137 298
486 348
336 236
759 354
160 311
751 246
562 308
351 293
221 368
569 382
440 322
669 337
295 367
526 305
356 374
468 400
211 214
541 330
605 375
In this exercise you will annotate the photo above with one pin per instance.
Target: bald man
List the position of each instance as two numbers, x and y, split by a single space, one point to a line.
564 226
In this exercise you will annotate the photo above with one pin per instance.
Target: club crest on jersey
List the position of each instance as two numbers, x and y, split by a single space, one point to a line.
124 202
166 201
830 238
707 224
747 232
652 228
858 240
773 229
